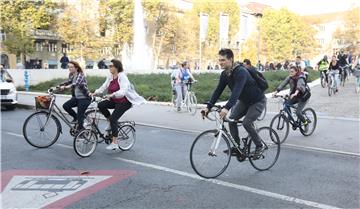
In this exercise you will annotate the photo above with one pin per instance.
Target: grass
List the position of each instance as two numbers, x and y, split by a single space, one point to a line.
158 86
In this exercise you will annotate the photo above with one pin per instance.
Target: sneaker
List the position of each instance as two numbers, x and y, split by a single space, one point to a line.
112 146
306 126
234 151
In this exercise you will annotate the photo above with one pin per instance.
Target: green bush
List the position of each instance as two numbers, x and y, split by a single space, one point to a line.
158 86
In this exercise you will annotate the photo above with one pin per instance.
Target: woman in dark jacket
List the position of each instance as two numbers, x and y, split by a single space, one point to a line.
297 82
79 91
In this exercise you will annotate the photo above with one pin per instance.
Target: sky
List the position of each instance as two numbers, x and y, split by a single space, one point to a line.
309 7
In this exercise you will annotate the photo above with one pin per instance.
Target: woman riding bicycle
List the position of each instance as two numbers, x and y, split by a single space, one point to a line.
120 96
334 71
182 76
299 94
79 91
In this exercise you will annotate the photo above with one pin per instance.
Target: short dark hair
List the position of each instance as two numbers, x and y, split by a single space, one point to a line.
247 61
118 65
298 57
183 64
228 53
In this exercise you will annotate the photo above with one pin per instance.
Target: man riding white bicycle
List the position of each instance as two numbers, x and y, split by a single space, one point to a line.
183 75
246 99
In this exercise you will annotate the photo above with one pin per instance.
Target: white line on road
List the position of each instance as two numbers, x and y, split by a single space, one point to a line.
65 146
14 134
321 149
232 185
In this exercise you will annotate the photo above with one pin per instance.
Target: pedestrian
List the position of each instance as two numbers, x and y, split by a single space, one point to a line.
64 61
101 64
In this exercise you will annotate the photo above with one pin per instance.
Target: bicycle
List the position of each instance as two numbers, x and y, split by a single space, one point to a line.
85 141
189 101
323 76
332 83
281 122
42 128
210 152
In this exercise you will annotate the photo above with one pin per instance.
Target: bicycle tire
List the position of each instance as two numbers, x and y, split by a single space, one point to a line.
322 81
85 138
271 152
280 124
89 117
330 84
126 137
313 122
47 142
200 149
192 105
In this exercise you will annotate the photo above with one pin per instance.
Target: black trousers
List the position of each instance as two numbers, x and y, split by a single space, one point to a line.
119 110
81 104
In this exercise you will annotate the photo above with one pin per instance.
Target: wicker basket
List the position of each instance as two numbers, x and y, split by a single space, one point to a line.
42 102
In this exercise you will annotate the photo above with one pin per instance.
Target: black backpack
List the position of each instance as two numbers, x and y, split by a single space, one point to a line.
259 79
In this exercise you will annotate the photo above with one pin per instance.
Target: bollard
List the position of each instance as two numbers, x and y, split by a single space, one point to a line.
27 81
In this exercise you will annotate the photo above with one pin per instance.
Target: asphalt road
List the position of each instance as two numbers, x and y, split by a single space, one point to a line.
161 175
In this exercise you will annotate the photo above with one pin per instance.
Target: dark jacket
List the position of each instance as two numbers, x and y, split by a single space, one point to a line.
296 83
243 87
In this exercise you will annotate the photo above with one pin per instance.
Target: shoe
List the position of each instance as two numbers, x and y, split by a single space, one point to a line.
179 109
234 151
112 146
258 151
336 90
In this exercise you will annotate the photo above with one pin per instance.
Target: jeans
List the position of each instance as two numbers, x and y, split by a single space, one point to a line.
181 91
299 108
251 113
82 105
120 109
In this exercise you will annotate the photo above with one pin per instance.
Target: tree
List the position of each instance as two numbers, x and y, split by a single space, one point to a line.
19 18
79 26
350 32
249 49
285 35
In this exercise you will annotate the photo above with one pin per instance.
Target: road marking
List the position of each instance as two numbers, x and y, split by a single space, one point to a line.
321 149
232 185
65 146
14 134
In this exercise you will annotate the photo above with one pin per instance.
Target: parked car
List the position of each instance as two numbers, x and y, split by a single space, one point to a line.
8 91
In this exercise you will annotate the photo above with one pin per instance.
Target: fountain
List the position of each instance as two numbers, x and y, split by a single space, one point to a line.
138 58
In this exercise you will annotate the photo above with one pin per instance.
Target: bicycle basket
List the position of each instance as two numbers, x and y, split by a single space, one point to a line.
42 102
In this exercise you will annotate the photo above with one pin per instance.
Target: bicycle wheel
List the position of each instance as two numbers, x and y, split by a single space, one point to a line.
310 115
281 125
93 117
85 143
323 83
262 116
192 103
207 159
37 134
268 158
126 137
330 86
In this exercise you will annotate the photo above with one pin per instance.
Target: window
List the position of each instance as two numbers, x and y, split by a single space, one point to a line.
52 47
65 48
39 46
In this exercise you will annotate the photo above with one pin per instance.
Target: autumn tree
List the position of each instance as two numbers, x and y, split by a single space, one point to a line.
285 35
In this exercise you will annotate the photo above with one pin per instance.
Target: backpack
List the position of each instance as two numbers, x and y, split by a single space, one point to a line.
184 74
307 94
259 79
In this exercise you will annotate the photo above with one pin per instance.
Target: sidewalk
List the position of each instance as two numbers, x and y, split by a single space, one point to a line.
338 118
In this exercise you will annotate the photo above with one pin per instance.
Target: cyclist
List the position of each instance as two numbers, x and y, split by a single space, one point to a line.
334 71
120 96
246 99
299 94
323 66
343 61
183 75
79 91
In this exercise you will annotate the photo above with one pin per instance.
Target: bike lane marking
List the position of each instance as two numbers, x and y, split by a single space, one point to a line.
231 185
54 188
